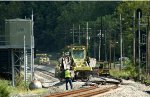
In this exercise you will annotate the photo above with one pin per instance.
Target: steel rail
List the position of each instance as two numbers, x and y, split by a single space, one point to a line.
94 92
85 92
72 92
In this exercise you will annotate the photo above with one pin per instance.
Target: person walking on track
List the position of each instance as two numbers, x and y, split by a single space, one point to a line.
68 78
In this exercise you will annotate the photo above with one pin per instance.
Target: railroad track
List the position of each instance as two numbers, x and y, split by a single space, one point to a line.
84 92
45 72
37 68
45 76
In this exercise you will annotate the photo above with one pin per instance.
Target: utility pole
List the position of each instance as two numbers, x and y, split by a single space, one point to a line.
115 44
139 44
94 49
94 43
99 35
120 42
133 29
79 36
110 42
105 46
65 37
32 49
72 34
114 54
25 63
148 59
87 36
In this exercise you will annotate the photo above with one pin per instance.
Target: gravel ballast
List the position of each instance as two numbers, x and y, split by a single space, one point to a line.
128 89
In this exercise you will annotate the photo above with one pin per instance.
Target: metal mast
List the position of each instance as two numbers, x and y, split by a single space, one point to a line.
99 35
148 59
73 33
134 37
25 60
105 47
87 36
79 35
120 42
32 49
139 42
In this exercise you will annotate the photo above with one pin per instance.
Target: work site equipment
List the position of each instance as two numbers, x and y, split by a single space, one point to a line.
42 59
81 65
77 60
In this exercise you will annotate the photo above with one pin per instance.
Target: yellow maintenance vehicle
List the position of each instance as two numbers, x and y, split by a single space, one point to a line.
43 59
103 69
81 62
78 61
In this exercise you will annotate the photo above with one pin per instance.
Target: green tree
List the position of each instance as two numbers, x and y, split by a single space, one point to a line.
127 9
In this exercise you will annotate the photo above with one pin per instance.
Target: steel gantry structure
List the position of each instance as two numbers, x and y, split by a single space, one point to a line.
17 49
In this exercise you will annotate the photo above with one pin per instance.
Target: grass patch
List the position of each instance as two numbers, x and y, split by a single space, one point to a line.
39 91
128 72
119 74
22 88
5 88
36 91
147 81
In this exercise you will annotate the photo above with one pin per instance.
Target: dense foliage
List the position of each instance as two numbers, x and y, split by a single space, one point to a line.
5 89
53 22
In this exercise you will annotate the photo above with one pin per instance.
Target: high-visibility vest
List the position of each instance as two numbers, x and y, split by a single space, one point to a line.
67 74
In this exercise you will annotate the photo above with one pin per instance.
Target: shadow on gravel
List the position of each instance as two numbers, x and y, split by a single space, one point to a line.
60 83
124 83
147 92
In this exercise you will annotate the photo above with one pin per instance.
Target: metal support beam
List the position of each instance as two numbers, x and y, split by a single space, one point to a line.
13 67
110 43
87 36
99 54
32 49
73 34
79 36
105 46
148 59
134 38
139 44
25 61
31 58
121 42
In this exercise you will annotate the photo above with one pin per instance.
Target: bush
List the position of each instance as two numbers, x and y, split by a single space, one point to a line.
147 81
131 70
128 72
119 74
21 84
5 89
